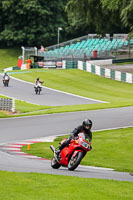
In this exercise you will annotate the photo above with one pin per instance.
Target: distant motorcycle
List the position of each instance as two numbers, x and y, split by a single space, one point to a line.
6 82
38 88
72 154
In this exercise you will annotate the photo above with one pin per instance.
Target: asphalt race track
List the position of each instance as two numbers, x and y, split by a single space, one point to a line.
24 128
25 91
20 164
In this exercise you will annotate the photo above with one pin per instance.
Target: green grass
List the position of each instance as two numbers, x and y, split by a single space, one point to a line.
22 107
9 57
111 149
35 186
85 84
123 63
3 115
82 83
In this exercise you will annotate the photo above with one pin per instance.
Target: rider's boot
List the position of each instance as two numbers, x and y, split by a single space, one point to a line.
62 146
58 152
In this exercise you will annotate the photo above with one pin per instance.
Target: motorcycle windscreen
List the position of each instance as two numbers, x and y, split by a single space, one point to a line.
82 135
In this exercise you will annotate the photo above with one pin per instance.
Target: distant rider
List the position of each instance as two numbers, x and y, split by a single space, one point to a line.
6 77
38 83
84 128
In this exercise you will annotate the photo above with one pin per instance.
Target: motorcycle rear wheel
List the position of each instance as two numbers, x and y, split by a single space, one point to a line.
36 91
75 161
54 163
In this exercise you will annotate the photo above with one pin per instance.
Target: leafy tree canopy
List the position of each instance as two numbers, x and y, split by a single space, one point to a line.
125 7
31 22
100 16
35 22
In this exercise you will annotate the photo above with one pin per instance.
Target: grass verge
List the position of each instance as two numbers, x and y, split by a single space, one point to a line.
23 107
123 63
34 186
111 149
84 84
119 94
9 57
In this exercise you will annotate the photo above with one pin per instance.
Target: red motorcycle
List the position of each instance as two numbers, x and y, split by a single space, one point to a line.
72 154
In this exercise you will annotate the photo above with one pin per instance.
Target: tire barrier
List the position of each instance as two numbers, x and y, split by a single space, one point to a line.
7 104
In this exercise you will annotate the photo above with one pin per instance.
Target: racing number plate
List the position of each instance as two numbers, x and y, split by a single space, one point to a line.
84 144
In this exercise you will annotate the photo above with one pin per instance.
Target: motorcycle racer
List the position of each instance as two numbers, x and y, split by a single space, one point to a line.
84 128
6 77
38 81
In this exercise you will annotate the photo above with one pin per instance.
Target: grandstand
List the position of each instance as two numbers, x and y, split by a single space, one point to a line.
87 47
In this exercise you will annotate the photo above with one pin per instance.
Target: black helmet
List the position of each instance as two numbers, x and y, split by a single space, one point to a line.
37 79
87 122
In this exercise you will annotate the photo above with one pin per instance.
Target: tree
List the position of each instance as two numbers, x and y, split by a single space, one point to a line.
124 7
95 16
1 18
31 22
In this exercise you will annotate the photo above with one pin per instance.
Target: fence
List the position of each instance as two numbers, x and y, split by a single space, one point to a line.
105 72
83 48
7 104
85 37
100 71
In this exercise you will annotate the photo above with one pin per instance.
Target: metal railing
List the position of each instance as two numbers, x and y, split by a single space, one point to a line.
105 49
78 39
88 36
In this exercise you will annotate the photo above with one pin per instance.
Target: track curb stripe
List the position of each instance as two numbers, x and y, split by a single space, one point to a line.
15 148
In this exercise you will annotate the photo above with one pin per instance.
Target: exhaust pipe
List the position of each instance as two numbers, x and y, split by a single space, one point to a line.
52 148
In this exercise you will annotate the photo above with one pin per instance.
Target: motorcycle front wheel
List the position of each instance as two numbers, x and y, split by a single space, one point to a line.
54 163
75 161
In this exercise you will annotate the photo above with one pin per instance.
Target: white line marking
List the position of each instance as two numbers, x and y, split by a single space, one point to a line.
61 91
96 168
16 152
119 127
12 145
10 148
51 139
28 156
43 139
20 99
62 113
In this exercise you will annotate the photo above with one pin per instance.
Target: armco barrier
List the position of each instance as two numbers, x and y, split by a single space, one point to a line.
15 68
122 60
7 104
100 71
71 65
92 67
108 73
